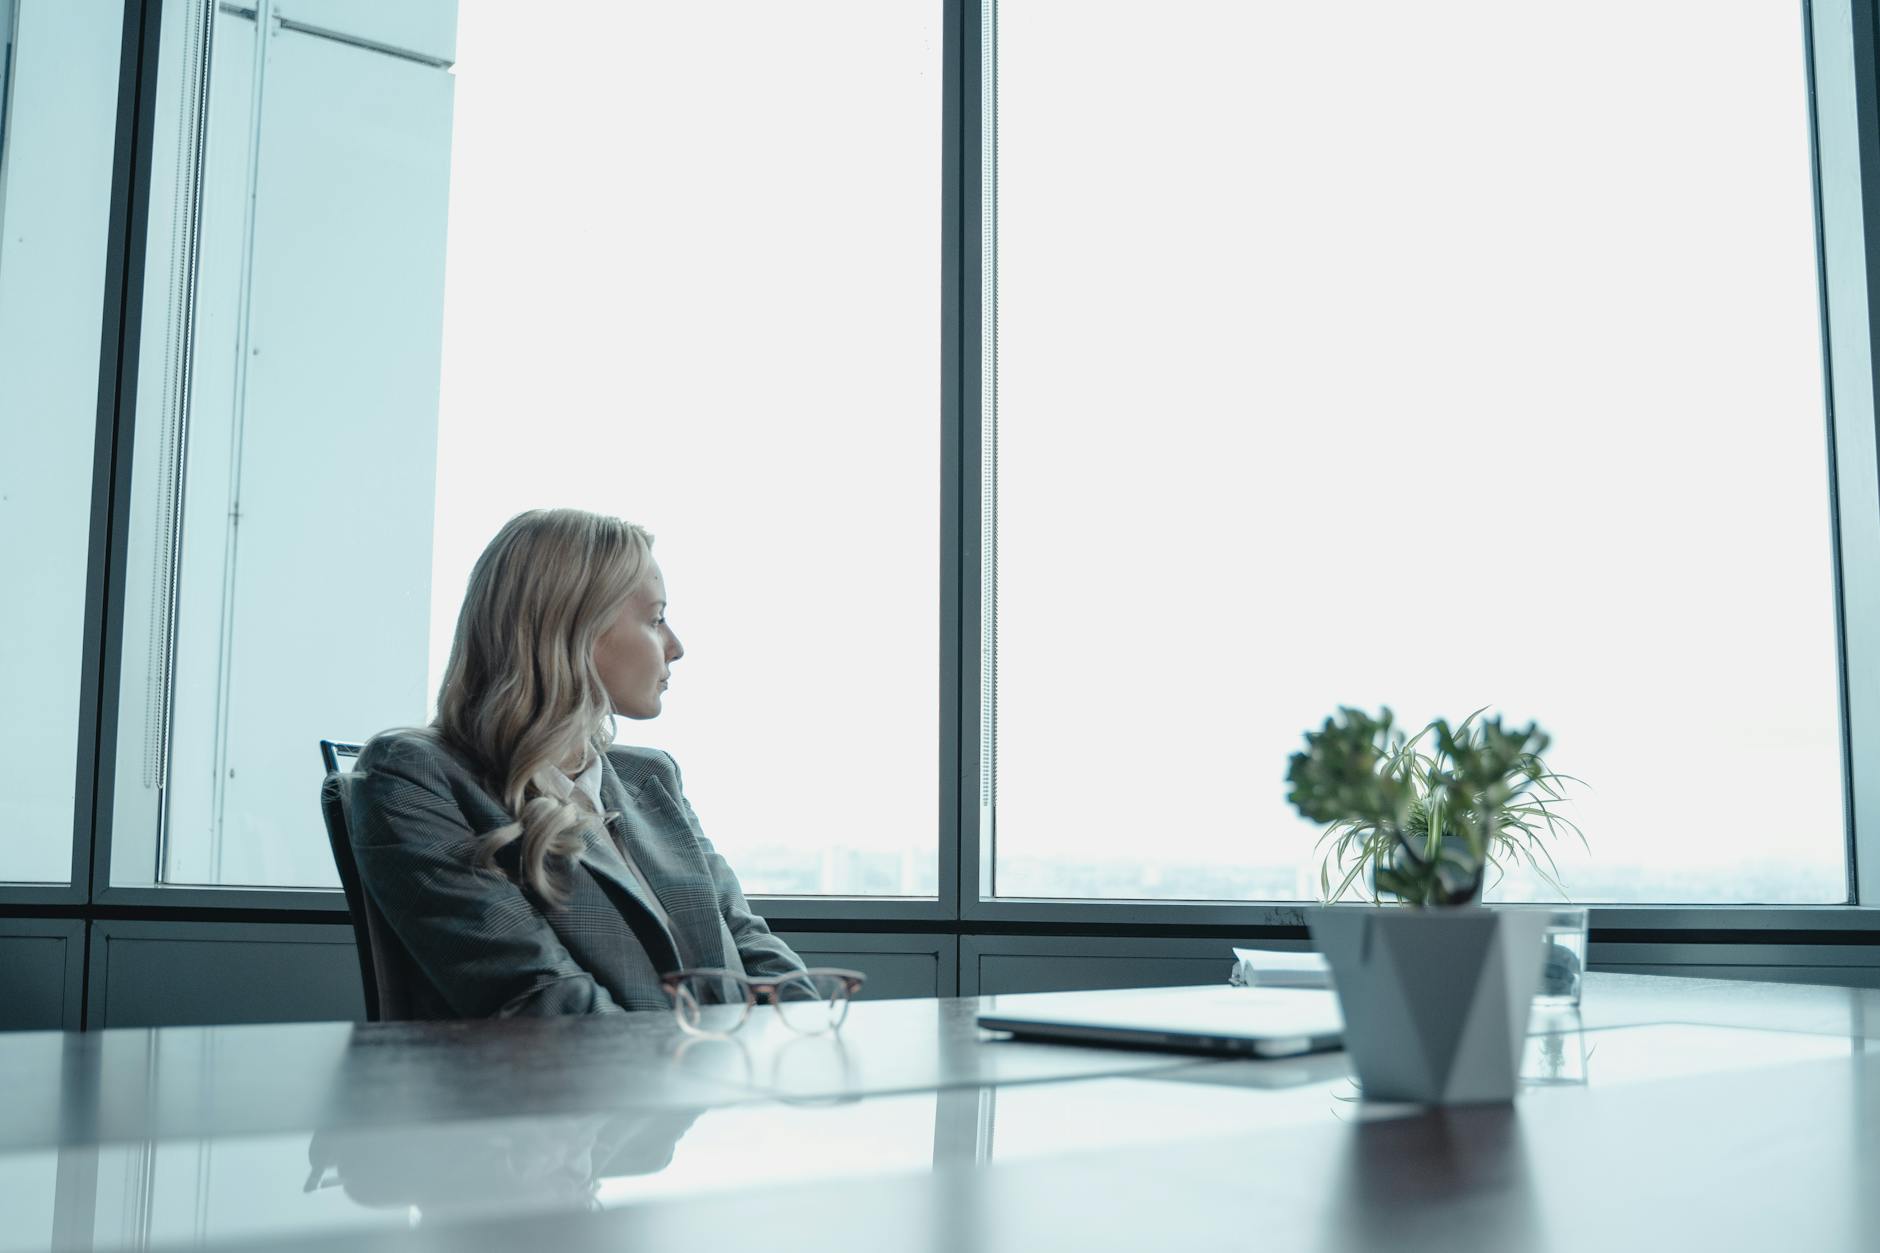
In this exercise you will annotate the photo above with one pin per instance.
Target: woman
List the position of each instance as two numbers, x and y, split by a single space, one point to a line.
527 867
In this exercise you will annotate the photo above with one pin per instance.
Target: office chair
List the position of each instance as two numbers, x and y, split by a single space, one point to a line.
384 967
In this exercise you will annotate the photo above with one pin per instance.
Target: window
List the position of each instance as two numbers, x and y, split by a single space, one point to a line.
693 280
286 422
1442 356
1440 360
429 269
58 98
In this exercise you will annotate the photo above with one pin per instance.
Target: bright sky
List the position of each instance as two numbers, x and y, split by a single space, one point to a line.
693 280
1439 356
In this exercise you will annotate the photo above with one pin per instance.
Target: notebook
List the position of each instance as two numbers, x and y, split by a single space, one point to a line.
1246 1022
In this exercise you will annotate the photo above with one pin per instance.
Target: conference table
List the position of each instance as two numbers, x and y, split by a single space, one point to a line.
1666 1112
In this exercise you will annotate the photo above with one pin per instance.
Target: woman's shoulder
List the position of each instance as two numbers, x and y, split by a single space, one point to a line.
411 748
635 764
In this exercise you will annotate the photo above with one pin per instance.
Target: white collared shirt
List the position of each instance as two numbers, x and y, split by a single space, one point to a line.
585 789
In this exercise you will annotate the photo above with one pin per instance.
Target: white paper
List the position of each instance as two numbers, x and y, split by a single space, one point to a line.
1263 968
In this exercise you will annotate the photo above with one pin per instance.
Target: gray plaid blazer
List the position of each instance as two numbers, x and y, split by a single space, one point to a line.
489 947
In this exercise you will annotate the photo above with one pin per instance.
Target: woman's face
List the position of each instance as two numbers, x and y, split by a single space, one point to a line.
636 651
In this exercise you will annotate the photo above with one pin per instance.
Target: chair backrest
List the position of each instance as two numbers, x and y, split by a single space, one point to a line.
384 968
339 755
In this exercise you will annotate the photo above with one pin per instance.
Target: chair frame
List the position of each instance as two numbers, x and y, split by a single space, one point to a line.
386 994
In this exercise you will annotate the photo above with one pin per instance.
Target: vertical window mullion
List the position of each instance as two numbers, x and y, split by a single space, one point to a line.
1847 179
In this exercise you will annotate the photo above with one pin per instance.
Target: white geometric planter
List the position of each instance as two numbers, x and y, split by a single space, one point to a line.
1436 1001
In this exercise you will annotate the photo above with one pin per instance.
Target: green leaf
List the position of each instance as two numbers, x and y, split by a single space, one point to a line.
1429 811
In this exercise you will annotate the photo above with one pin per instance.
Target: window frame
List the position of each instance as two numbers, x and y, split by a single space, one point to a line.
1842 74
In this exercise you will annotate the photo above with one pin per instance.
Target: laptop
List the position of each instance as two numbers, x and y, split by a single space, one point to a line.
1224 1021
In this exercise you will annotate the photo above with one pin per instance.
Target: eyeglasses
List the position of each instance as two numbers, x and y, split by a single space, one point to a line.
709 1002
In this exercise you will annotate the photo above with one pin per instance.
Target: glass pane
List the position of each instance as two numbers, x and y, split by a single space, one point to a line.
1369 357
58 129
685 281
286 429
725 326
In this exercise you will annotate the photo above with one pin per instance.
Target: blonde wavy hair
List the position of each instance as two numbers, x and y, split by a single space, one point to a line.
521 695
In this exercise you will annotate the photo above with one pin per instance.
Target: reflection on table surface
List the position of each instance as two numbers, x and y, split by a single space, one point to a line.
374 1129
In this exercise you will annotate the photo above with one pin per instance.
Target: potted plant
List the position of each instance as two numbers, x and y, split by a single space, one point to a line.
1524 814
1435 995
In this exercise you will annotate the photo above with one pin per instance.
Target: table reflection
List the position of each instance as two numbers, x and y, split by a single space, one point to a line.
783 1066
236 1137
1558 1051
448 1171
1398 1182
